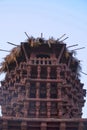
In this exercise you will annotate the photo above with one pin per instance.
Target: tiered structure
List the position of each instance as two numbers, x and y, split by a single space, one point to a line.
41 90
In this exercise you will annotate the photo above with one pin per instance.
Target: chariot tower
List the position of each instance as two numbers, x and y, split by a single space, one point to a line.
41 89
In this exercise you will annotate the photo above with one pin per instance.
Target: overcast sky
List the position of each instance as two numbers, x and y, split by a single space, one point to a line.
50 17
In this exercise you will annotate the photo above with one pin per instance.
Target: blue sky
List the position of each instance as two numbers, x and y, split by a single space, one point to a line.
50 17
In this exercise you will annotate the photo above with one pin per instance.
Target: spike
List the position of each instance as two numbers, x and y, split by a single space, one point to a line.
64 39
61 36
41 35
4 50
12 44
83 73
79 48
72 45
27 35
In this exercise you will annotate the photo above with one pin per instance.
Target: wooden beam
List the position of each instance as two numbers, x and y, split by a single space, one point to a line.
4 50
64 39
78 48
61 53
72 45
27 35
22 45
69 61
61 36
12 44
83 73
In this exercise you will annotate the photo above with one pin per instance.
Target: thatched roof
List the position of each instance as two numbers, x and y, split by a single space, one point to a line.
18 53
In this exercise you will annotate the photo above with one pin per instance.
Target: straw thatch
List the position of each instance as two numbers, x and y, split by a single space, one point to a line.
14 58
11 58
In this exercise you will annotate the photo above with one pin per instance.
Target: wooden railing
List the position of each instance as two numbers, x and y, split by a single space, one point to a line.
43 61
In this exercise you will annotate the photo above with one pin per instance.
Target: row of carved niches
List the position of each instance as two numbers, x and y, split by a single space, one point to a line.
41 109
18 92
20 75
75 90
17 88
31 90
30 71
14 99
26 70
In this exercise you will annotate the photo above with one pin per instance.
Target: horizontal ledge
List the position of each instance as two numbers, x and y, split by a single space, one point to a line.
44 119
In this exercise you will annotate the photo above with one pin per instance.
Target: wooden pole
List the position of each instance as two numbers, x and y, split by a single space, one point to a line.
64 39
12 44
72 45
4 50
27 35
79 48
61 36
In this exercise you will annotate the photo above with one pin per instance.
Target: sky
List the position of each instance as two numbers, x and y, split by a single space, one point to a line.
50 17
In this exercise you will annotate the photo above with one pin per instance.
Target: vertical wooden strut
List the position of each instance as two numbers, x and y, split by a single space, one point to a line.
22 45
62 50
69 61
0 96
